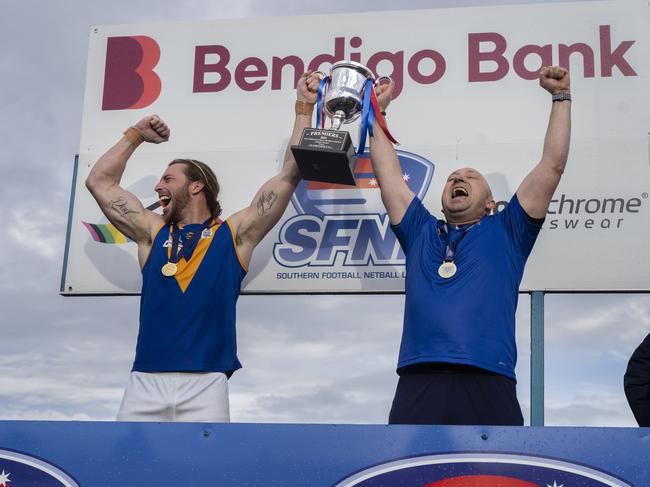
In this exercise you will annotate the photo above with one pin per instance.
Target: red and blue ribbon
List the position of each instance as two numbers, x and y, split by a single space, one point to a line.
370 112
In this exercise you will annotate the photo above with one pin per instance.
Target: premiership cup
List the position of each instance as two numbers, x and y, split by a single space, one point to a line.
327 155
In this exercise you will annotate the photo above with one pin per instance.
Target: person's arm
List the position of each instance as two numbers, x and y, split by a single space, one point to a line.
537 188
395 193
251 224
121 207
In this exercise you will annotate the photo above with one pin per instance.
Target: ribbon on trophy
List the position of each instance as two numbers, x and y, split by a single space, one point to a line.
367 115
320 106
370 111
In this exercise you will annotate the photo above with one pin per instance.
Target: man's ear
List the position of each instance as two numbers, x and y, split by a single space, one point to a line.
490 206
196 187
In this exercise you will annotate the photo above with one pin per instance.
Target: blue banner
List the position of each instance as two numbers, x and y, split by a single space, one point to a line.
192 454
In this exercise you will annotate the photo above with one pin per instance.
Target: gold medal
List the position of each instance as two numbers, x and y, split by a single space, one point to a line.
447 270
169 269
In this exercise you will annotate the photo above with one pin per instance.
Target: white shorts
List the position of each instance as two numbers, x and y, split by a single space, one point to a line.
176 396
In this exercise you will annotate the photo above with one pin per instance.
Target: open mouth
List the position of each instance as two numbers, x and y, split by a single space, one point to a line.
459 192
164 201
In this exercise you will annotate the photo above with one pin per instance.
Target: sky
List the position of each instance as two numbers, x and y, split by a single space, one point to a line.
69 358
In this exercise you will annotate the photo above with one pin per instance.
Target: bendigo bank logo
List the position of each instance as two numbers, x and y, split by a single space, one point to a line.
481 469
339 224
129 79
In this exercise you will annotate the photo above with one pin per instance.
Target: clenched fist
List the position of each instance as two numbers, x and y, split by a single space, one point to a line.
153 129
384 92
307 89
555 79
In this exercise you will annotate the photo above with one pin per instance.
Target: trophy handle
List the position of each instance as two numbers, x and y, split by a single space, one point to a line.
320 74
382 78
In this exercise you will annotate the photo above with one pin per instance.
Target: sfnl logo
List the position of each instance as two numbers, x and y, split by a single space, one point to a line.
482 470
347 225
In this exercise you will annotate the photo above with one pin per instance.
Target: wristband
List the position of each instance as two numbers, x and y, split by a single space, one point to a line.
304 108
562 96
134 136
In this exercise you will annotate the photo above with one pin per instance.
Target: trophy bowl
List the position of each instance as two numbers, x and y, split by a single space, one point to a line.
343 101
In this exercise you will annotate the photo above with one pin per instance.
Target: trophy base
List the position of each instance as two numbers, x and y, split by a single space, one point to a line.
326 155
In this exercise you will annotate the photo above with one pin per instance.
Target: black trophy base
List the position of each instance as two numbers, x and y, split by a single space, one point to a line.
326 155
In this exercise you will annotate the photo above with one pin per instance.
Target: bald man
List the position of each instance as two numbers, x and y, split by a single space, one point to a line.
458 354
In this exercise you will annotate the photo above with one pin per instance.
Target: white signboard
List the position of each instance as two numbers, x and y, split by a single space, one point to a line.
467 95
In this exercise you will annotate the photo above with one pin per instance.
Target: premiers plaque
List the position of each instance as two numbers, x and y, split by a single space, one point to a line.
326 155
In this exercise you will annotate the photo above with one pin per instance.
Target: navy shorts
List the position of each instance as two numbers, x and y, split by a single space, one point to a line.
453 394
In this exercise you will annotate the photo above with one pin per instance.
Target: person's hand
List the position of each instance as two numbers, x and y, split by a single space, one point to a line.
555 79
384 92
153 129
307 89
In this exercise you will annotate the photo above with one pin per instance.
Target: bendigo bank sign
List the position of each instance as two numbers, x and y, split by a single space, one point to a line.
131 82
467 97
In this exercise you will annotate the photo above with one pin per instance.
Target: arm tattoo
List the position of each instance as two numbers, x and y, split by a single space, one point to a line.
121 206
265 202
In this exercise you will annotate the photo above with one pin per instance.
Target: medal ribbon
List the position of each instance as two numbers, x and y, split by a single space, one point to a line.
190 245
320 107
452 245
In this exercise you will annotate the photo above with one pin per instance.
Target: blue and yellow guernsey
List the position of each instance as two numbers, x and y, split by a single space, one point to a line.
187 321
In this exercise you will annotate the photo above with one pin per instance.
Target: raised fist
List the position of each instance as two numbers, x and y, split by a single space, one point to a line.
307 89
153 129
555 79
384 92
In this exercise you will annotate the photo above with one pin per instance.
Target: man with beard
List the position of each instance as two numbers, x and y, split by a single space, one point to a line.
192 266
457 356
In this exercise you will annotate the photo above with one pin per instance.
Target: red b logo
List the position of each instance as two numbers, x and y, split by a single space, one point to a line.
129 79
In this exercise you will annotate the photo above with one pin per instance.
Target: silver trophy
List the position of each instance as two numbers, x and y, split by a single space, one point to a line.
327 155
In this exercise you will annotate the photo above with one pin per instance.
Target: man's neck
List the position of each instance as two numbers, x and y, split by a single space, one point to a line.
462 222
193 215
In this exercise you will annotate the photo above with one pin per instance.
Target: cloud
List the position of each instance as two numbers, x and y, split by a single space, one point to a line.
316 359
598 319
288 7
36 231
590 404
324 398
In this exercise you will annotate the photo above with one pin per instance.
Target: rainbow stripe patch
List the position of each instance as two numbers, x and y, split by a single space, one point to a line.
106 233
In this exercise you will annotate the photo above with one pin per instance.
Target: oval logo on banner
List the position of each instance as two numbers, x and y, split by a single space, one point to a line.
345 225
481 470
18 469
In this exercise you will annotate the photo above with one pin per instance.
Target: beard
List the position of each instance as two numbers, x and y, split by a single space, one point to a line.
180 199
